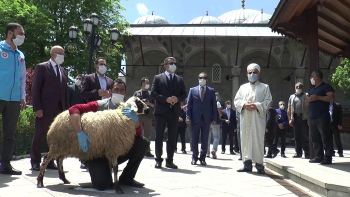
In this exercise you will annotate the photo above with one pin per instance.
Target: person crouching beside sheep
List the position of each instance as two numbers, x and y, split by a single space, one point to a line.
100 169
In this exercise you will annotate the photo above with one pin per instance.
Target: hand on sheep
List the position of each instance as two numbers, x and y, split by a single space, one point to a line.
130 114
83 139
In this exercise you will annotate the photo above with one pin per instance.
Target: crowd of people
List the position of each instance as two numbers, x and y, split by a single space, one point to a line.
250 125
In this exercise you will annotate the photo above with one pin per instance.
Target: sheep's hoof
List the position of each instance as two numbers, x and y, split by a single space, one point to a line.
66 181
118 189
40 184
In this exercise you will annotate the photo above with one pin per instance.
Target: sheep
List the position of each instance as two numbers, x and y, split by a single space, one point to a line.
111 132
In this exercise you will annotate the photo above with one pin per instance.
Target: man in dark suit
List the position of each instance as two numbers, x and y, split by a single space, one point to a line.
74 96
229 126
201 112
96 86
168 89
49 92
336 115
270 132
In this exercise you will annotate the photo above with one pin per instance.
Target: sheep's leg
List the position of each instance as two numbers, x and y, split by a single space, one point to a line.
40 178
117 187
61 174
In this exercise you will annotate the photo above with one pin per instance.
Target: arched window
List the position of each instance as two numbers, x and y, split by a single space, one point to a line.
161 69
216 73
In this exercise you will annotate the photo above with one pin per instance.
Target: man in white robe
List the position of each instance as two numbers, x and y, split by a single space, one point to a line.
252 102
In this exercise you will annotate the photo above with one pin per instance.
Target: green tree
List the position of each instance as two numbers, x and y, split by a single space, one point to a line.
341 77
46 23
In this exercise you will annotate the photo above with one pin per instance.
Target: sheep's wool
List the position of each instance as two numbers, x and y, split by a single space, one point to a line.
112 134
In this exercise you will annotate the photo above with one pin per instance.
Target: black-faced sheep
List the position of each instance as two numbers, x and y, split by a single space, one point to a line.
111 132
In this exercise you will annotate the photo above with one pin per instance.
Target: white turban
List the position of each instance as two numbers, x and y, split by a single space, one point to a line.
253 66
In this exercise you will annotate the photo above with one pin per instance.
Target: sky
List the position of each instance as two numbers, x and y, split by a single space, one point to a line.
183 11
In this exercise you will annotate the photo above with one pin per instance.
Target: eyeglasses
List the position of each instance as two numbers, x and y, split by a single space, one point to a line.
252 72
172 63
281 104
202 77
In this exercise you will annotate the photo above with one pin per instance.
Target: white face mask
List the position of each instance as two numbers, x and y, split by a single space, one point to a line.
77 82
202 82
312 80
298 91
19 40
147 86
282 107
117 98
172 68
228 106
59 59
102 69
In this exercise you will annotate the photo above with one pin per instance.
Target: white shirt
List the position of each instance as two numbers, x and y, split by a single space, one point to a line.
54 65
168 74
228 111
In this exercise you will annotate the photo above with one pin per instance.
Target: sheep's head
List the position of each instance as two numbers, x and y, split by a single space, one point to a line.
136 104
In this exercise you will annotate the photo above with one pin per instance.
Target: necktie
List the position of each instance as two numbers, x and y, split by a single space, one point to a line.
202 93
58 75
171 77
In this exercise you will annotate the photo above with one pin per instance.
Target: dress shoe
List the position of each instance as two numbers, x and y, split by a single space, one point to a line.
208 156
307 157
130 182
222 152
52 166
261 171
297 155
244 170
268 156
232 153
35 167
283 155
82 166
171 165
194 162
203 163
275 153
315 160
325 162
10 170
213 153
341 155
240 159
184 152
158 164
149 154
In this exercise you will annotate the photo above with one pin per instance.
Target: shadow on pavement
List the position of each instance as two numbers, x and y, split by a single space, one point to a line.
344 166
180 171
4 178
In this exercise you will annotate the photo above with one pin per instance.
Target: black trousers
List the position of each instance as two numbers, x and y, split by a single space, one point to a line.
321 137
181 131
269 137
301 134
224 137
335 133
280 133
100 168
169 119
10 114
236 146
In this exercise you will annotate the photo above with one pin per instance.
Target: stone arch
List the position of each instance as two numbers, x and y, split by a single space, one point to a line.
155 53
201 51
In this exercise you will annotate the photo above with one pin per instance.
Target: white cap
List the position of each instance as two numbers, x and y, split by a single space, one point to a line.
253 66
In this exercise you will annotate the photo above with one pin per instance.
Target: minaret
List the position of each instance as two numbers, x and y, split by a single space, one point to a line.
243 1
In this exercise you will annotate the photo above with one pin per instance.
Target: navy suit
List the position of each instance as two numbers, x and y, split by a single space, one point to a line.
201 114
165 114
228 128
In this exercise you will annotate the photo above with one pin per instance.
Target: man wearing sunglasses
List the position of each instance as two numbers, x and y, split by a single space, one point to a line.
168 89
252 101
201 112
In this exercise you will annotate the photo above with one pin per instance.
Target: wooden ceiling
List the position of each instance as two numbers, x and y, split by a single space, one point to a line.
333 18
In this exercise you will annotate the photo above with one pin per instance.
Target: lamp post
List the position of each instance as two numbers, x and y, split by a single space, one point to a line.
93 40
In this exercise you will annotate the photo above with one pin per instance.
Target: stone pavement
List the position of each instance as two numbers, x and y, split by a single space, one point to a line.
218 178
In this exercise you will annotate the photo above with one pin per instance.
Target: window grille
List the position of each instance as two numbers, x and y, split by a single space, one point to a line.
161 69
216 73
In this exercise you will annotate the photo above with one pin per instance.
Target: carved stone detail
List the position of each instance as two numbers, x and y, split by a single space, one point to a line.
235 71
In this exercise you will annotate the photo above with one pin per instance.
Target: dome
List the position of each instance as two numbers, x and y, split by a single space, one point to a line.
238 16
151 19
261 18
206 20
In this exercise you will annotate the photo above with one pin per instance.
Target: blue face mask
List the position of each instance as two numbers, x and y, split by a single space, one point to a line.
252 77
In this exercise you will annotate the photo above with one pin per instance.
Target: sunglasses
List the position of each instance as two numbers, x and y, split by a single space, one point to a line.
172 63
202 77
252 72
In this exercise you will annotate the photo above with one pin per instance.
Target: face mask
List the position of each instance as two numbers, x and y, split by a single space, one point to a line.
117 98
77 82
228 106
172 68
102 69
252 77
19 40
202 82
59 59
282 107
298 91
146 86
312 80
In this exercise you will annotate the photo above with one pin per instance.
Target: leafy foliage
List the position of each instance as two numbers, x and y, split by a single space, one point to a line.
46 23
29 83
341 78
